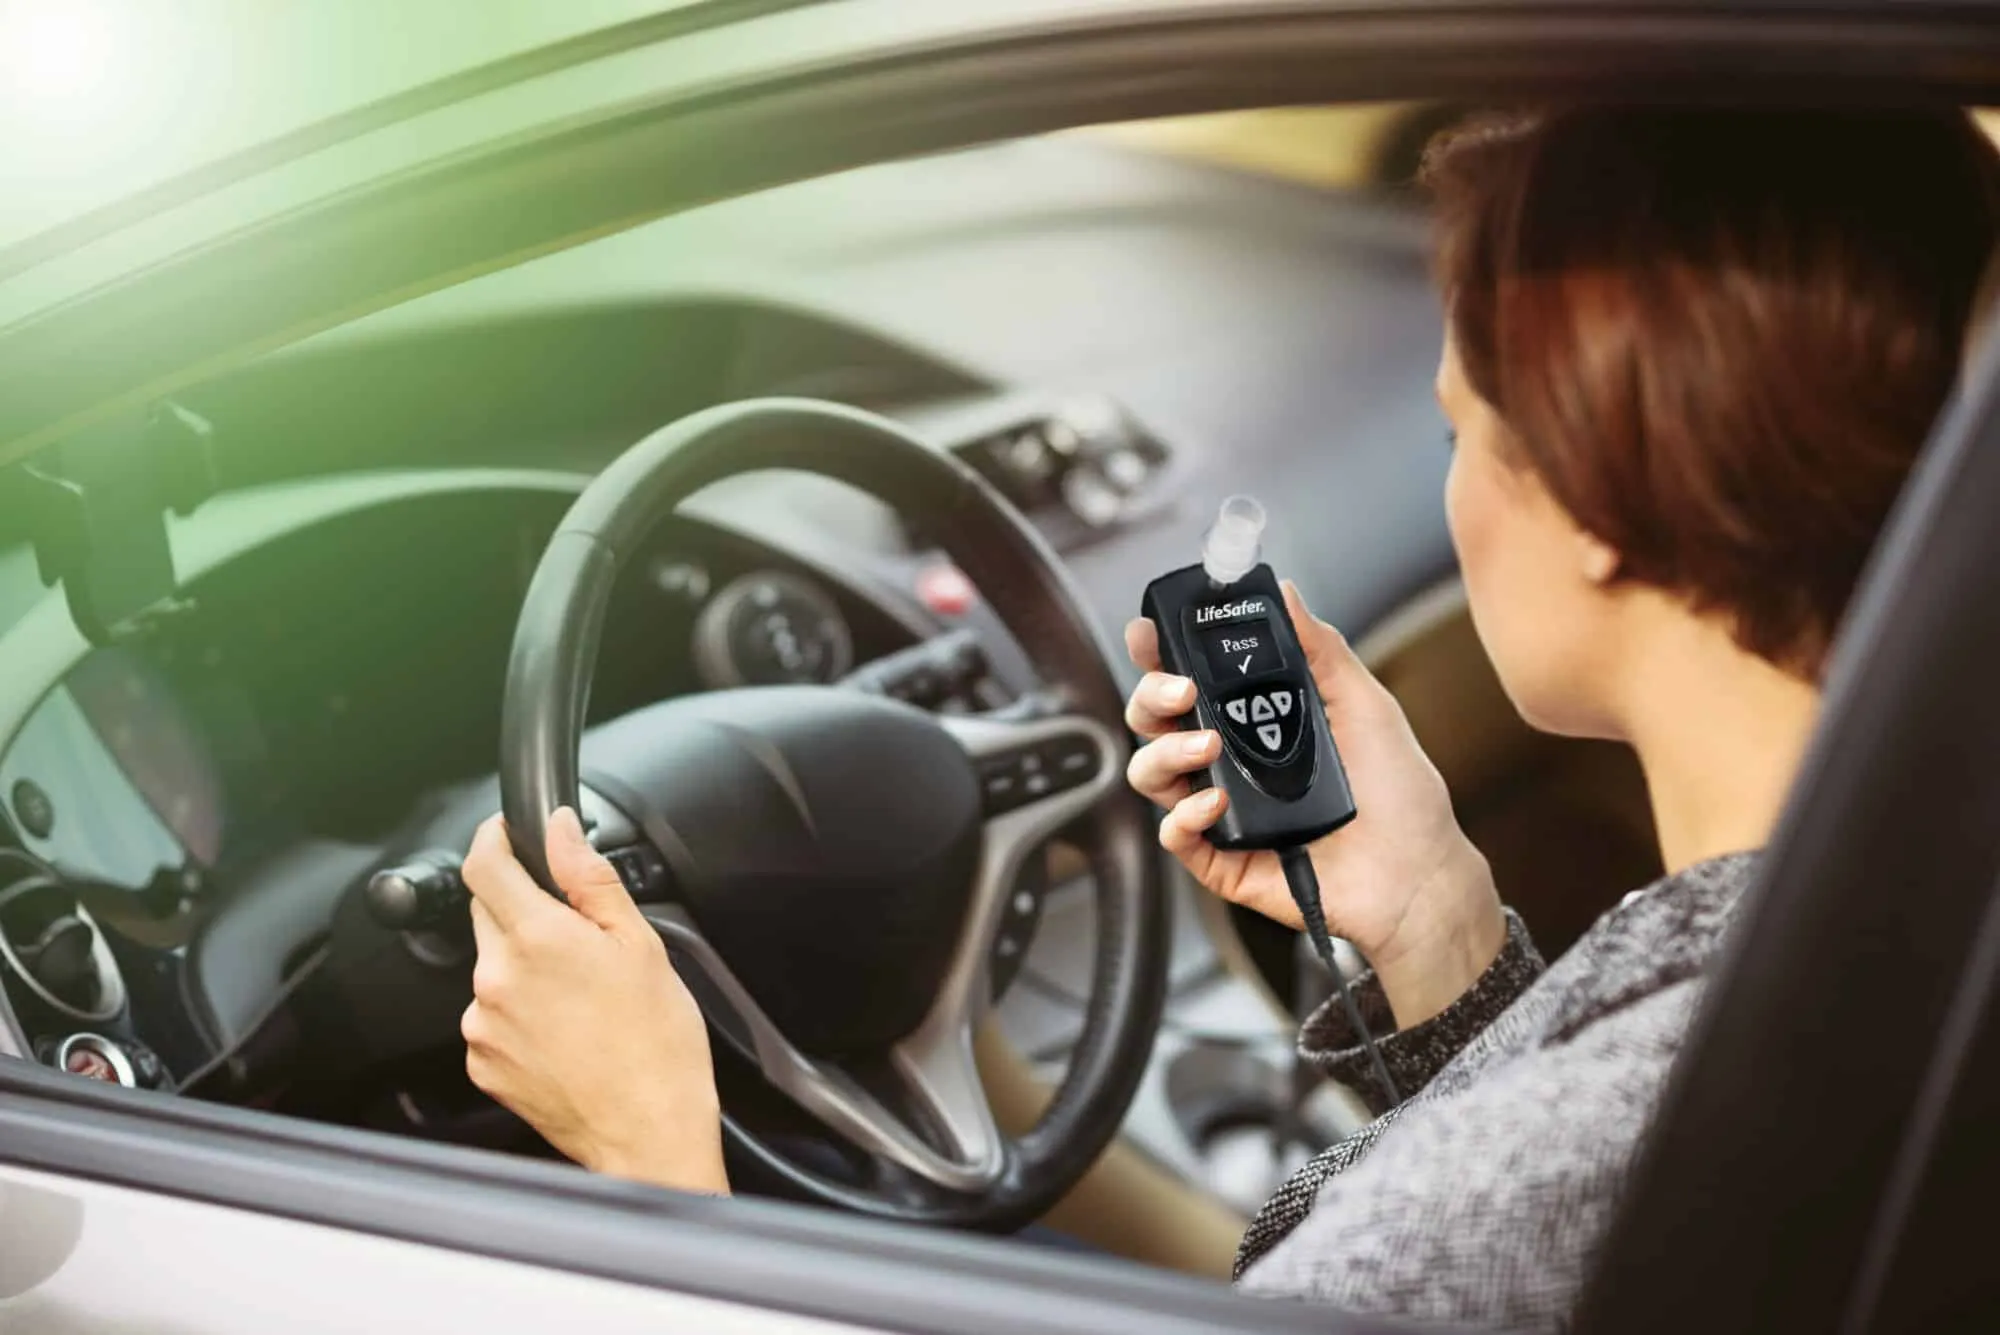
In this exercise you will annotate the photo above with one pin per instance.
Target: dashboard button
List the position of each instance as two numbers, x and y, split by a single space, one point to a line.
34 809
945 590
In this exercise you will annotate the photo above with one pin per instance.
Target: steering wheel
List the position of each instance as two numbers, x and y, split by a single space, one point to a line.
835 867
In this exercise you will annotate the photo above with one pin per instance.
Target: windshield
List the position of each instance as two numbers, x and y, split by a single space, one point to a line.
103 98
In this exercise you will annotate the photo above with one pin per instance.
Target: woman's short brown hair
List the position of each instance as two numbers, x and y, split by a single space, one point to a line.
1719 337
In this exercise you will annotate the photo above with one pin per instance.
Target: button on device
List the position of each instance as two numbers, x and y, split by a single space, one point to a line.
1265 722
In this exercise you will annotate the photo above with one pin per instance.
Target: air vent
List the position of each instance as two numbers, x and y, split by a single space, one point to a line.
51 946
1080 469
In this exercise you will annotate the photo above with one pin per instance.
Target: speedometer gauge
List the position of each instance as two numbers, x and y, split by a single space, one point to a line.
769 628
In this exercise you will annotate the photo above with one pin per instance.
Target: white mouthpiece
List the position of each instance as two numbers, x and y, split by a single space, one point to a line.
1230 551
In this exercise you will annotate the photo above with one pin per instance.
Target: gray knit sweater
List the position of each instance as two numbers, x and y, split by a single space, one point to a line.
1480 1198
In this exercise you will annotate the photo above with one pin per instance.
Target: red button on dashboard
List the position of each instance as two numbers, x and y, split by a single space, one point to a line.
944 589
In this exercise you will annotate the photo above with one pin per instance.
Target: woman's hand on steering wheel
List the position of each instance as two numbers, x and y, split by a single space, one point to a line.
579 1023
1402 881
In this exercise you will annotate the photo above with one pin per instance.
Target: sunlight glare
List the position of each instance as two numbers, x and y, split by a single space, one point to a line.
56 50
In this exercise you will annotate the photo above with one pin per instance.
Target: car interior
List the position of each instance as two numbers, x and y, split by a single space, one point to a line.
1114 328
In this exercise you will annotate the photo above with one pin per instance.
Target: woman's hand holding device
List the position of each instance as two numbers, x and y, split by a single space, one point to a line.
1402 883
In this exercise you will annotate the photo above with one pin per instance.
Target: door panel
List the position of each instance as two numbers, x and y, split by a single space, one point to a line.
80 1257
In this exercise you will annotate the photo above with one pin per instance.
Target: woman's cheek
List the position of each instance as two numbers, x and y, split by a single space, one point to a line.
1468 509
1476 506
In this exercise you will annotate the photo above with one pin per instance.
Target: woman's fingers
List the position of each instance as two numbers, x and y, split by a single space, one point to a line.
1158 704
1185 824
1142 644
496 879
1158 770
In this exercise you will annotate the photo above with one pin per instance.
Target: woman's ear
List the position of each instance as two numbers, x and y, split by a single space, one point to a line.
1600 561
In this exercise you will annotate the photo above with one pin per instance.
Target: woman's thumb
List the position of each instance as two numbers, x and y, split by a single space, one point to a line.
587 880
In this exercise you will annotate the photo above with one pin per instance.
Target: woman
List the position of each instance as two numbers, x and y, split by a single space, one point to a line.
1689 359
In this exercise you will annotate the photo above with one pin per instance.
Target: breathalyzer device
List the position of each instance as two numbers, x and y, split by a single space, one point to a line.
1223 625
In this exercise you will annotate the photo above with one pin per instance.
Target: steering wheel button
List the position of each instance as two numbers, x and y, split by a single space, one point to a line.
1074 760
643 872
1001 785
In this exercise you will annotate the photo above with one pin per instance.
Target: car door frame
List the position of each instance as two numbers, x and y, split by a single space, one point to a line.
962 82
577 151
802 1261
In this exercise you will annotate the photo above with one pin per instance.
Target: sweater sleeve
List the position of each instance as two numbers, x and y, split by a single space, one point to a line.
1414 1056
1484 1203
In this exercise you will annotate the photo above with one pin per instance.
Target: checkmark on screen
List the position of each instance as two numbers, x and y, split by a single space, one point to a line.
1244 666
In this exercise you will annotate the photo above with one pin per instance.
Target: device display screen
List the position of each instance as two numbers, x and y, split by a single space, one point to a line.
1239 649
